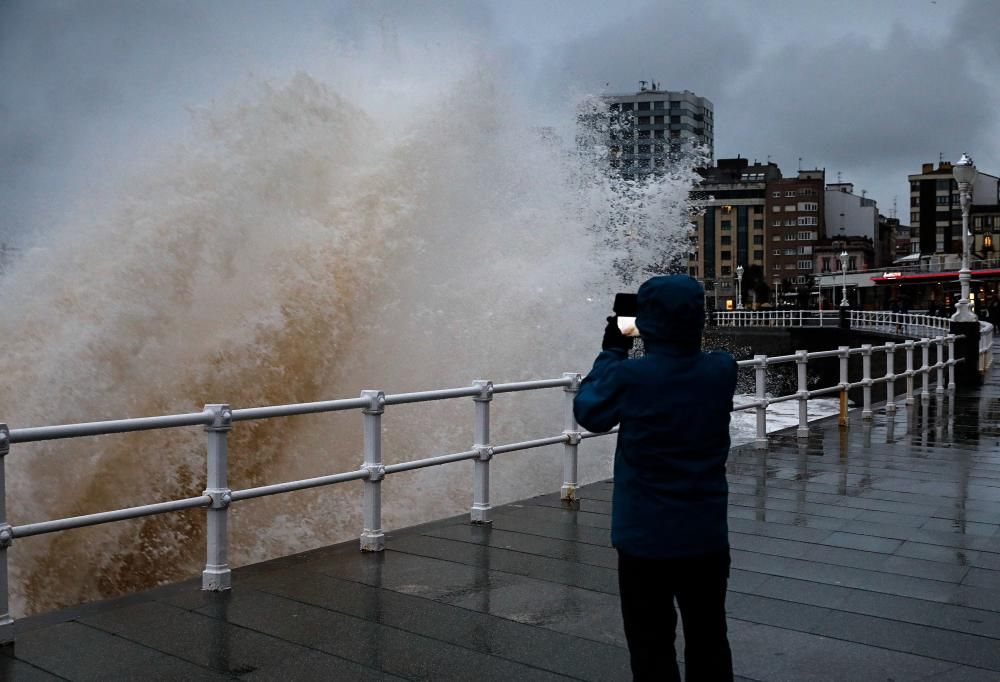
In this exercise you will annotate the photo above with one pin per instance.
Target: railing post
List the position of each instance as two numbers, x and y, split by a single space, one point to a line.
951 362
890 377
760 376
939 342
909 371
480 512
372 537
572 430
866 380
802 360
925 369
6 538
845 355
217 575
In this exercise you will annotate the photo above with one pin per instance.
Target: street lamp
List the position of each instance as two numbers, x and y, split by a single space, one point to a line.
844 303
965 175
739 287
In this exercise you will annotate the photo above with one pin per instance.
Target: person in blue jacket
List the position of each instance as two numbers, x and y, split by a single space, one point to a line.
668 518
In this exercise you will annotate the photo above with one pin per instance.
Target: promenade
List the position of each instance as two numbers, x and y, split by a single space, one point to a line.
871 553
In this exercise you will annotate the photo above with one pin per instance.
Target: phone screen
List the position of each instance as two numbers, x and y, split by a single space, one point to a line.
626 308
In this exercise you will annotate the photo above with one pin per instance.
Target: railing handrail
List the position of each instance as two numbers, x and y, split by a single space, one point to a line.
218 420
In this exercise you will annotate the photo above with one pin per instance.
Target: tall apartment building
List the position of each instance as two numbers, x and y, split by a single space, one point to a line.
935 209
730 223
795 217
651 126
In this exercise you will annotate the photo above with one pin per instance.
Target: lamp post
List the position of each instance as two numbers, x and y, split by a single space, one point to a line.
965 175
844 303
739 287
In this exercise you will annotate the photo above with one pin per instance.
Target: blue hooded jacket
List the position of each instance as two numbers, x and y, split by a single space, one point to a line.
673 405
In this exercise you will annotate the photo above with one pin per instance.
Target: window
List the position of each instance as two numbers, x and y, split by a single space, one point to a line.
826 264
790 222
852 263
915 218
801 279
790 193
758 209
659 104
657 134
643 106
758 255
776 223
626 106
776 238
658 120
726 240
726 225
808 220
789 266
693 271
776 252
776 266
643 120
643 148
807 235
726 270
644 163
805 265
675 119
726 255
790 237
776 195
789 208
658 148
943 200
808 206
758 224
943 185
776 209
644 134
660 163
977 221
805 250
789 252
758 239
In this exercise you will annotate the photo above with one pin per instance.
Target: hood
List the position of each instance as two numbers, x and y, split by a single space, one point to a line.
671 312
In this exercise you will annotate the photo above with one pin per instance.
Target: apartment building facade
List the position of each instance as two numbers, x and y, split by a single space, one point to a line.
935 208
650 127
729 223
795 220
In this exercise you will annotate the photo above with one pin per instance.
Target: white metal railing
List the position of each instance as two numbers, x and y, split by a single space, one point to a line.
218 420
777 318
801 358
905 324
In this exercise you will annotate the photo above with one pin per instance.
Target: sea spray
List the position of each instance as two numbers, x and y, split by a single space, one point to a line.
300 247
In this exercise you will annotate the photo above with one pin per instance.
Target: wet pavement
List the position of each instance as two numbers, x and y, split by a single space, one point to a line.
871 553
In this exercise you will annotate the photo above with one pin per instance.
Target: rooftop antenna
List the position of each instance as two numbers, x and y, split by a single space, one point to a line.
838 177
894 198
642 86
800 163
863 193
769 158
940 157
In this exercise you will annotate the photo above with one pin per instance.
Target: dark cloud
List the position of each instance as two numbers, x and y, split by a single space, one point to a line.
679 45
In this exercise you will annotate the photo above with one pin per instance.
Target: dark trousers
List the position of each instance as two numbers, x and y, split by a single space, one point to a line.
648 589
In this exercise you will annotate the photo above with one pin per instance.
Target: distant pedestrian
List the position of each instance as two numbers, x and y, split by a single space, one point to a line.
994 308
668 519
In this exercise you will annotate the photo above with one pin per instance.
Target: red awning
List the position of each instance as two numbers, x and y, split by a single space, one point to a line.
934 276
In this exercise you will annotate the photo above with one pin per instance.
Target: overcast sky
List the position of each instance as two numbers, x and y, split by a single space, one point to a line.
867 89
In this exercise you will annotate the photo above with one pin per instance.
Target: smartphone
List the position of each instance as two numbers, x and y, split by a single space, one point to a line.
626 307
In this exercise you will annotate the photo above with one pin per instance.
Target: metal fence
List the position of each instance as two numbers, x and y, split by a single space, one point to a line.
218 420
914 325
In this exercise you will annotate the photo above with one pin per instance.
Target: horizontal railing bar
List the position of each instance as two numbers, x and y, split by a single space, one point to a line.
782 358
783 398
29 529
529 444
824 354
746 406
425 396
271 411
593 434
825 391
274 489
38 433
430 461
530 385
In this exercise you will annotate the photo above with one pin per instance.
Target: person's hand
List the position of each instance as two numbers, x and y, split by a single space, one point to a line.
613 337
